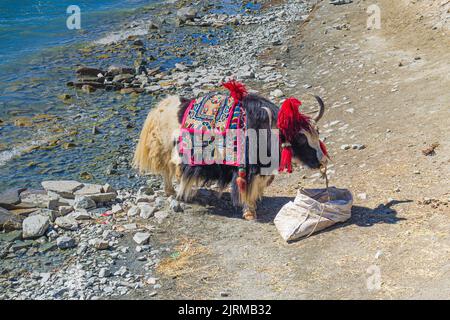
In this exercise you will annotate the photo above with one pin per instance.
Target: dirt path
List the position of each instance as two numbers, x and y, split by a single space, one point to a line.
389 90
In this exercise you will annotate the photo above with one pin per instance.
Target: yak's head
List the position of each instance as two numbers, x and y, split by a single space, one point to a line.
301 134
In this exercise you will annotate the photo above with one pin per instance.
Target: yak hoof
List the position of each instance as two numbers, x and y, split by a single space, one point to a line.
170 192
249 215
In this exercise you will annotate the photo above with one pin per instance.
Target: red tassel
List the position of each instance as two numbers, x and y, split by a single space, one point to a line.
323 148
237 90
286 160
290 120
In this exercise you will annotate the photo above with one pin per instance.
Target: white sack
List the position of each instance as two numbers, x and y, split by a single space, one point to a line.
313 210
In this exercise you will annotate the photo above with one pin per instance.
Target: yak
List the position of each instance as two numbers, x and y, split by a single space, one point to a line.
157 151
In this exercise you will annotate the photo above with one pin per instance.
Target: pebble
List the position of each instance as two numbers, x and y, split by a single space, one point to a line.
80 215
99 244
362 196
104 272
146 210
161 216
277 93
358 146
141 237
65 242
83 202
67 223
175 206
133 211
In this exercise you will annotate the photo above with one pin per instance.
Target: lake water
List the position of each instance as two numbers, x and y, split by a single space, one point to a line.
39 55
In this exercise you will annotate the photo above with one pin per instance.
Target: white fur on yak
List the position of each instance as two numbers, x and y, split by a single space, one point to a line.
157 153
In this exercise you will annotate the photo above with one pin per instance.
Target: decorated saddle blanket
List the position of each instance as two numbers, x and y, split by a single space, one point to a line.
213 131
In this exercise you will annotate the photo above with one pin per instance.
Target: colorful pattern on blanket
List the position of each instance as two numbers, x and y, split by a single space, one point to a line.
213 131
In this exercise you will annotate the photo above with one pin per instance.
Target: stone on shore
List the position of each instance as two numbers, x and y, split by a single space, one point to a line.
67 223
64 188
186 14
9 221
116 70
146 210
83 202
99 244
133 211
80 215
89 188
65 210
35 226
175 206
277 93
10 198
141 237
65 242
102 197
34 198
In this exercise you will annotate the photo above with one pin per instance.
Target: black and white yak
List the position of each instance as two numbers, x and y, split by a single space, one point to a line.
157 151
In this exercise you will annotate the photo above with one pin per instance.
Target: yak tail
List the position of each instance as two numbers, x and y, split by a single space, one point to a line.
141 155
154 148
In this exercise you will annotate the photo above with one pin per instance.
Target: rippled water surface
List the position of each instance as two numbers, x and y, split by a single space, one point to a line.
44 137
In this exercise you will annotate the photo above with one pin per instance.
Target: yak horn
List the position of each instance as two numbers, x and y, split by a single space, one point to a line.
321 110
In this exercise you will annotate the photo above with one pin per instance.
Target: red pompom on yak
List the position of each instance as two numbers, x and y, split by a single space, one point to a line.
217 138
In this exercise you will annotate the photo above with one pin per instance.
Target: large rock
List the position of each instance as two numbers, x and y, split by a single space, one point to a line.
141 237
102 197
147 210
80 215
133 211
9 221
10 198
89 188
51 214
67 223
65 242
64 188
116 70
123 77
186 14
83 202
87 71
35 226
35 198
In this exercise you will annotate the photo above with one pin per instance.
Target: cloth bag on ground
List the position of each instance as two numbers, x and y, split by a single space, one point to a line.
313 210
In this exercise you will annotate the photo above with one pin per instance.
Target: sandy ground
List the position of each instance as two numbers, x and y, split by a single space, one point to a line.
389 90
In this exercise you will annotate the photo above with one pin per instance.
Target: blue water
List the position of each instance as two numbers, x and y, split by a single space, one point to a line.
27 26
39 55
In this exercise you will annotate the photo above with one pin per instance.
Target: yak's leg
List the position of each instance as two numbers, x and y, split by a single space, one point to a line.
168 186
254 192
249 211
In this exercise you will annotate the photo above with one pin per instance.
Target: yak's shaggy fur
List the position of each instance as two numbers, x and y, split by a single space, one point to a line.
157 152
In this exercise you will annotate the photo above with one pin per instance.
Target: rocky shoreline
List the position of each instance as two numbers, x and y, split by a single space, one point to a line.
236 56
76 240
